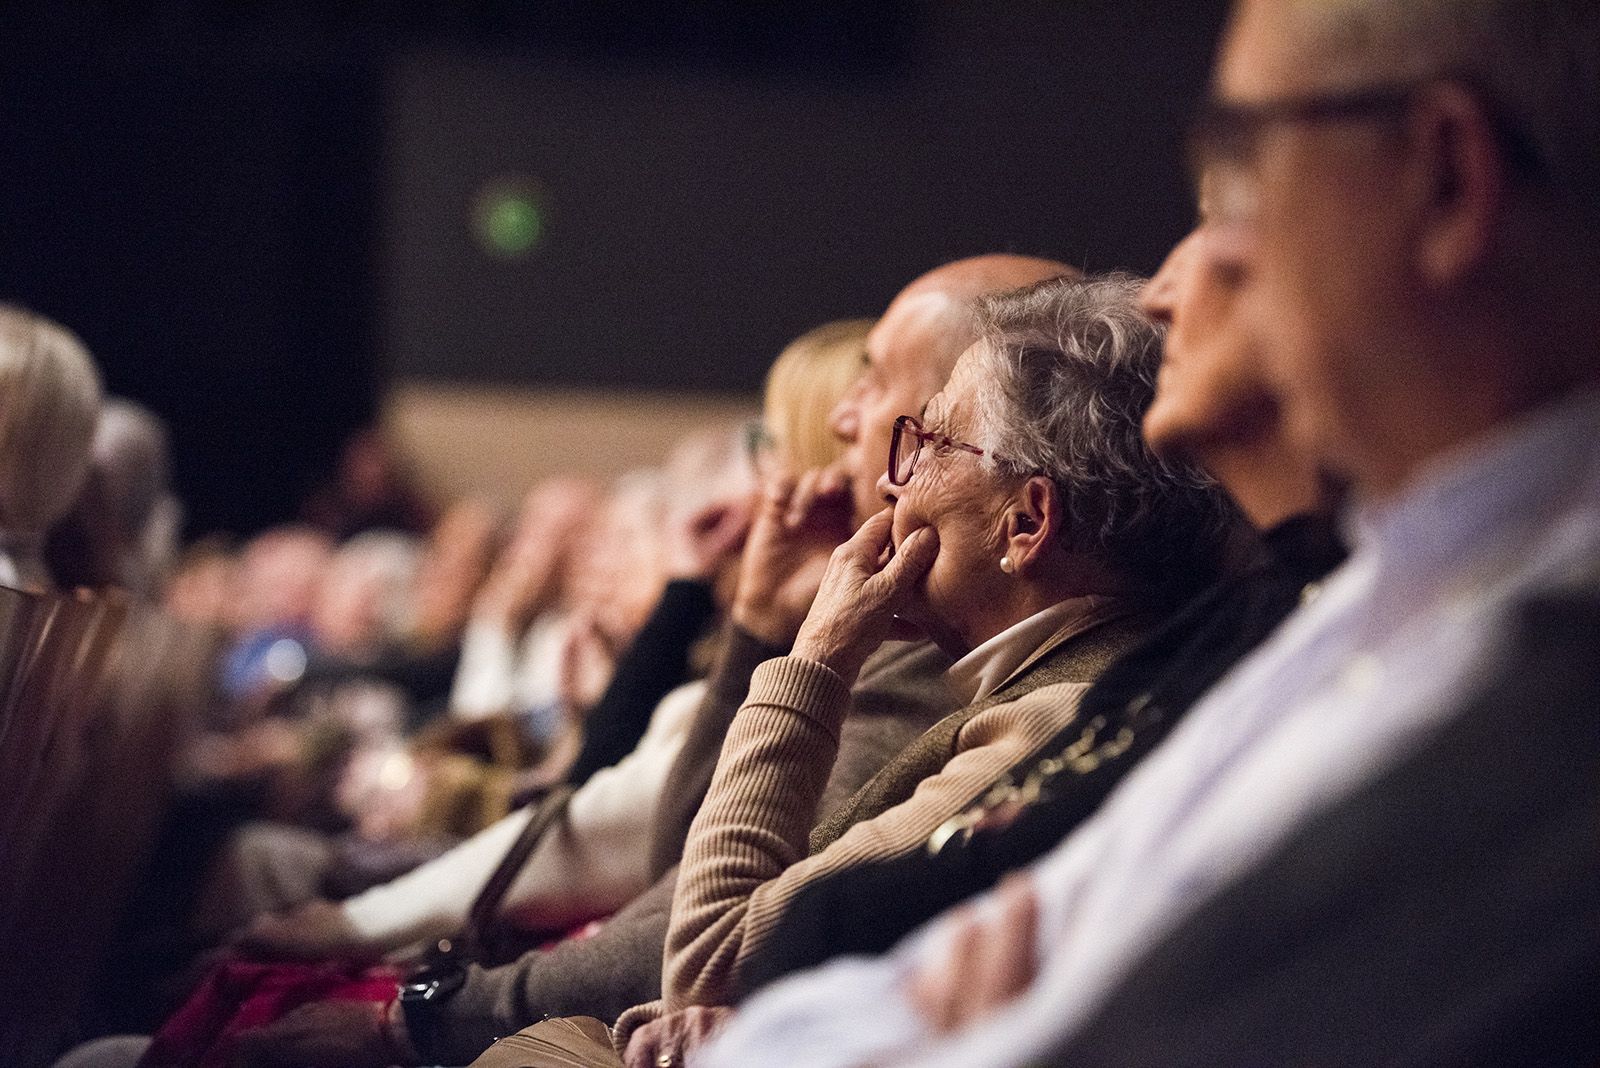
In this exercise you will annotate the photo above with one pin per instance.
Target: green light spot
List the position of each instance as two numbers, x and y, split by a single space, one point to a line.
513 224
509 217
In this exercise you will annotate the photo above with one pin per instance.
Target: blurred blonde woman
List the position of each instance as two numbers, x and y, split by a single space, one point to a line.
805 382
49 406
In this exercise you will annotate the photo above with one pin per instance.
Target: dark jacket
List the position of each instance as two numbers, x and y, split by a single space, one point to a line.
1448 913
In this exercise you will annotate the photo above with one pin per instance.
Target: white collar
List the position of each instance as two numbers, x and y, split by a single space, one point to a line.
984 669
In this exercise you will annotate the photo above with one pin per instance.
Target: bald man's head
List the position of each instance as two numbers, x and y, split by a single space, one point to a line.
945 295
911 351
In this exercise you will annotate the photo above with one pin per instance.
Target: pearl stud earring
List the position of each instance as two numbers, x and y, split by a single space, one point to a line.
1006 565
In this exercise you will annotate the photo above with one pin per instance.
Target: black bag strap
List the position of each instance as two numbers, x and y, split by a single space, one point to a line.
469 943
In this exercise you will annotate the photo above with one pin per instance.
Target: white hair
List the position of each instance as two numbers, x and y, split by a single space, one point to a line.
49 406
1067 370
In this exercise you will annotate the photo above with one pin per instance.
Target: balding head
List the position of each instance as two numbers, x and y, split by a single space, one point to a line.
911 351
939 304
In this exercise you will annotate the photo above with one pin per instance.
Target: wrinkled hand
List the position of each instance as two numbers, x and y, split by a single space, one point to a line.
987 964
699 544
324 1034
798 523
860 594
677 1034
315 931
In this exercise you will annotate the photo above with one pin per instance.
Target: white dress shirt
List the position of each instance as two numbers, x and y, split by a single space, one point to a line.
1394 642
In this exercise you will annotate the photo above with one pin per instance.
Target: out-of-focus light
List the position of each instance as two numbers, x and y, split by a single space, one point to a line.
285 660
509 217
395 771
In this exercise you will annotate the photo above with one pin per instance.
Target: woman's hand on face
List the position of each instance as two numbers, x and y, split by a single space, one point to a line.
798 523
669 1039
860 595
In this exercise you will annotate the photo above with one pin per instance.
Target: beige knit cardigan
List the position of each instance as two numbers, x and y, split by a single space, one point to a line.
746 857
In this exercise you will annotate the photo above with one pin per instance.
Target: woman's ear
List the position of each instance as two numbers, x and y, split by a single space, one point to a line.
1032 522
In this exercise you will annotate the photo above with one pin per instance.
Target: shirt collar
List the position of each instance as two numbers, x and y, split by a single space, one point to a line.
1461 501
989 666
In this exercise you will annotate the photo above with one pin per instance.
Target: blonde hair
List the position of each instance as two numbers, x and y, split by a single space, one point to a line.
808 378
49 407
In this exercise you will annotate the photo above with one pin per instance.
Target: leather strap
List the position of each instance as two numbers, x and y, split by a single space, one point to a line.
469 943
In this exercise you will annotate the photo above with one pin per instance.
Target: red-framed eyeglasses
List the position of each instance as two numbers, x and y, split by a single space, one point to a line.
905 445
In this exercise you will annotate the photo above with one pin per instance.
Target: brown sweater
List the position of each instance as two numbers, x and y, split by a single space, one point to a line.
900 694
746 857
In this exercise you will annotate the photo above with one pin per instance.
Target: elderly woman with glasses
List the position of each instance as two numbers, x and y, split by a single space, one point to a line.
1032 534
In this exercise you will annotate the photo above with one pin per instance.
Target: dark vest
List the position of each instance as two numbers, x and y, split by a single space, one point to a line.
1071 655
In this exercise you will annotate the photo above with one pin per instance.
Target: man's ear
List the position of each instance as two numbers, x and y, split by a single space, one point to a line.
1465 176
1033 521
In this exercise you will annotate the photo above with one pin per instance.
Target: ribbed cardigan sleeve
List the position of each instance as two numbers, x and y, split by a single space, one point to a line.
728 685
746 854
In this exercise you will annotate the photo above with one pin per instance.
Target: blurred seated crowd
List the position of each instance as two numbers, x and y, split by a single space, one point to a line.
1064 668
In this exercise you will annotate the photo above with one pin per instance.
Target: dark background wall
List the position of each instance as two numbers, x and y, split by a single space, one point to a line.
258 215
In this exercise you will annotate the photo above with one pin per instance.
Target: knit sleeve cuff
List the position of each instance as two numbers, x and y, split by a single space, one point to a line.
811 689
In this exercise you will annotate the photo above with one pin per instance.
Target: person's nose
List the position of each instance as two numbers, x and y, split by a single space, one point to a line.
1160 294
1157 298
887 490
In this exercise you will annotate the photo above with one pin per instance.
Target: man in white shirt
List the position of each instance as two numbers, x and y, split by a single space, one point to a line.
1406 191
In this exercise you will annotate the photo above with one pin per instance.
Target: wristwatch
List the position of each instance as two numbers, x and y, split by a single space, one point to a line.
422 996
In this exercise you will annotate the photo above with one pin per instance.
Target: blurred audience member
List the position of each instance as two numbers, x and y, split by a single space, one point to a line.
510 662
49 408
372 489
276 588
808 378
123 529
202 585
365 600
453 568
